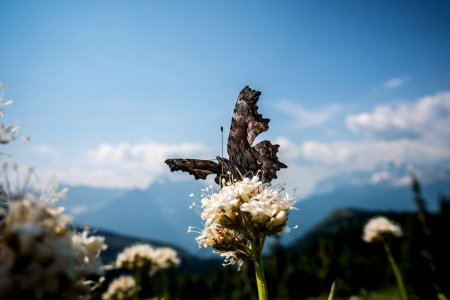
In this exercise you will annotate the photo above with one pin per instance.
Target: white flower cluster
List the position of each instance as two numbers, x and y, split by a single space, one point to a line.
8 133
144 256
379 227
41 257
122 288
241 215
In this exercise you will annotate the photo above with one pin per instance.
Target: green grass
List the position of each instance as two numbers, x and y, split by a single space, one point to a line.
387 294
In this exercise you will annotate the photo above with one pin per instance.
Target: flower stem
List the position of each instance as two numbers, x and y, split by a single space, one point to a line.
330 296
260 279
398 275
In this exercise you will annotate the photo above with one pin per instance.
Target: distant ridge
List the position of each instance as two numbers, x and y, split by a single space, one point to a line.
189 263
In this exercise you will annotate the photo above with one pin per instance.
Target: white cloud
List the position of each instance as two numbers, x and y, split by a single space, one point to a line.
364 153
395 82
312 161
123 165
307 118
416 134
427 117
378 177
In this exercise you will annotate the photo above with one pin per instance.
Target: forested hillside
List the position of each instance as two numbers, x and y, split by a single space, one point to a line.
331 251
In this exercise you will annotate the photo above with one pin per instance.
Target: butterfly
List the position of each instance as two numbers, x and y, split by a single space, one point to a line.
244 160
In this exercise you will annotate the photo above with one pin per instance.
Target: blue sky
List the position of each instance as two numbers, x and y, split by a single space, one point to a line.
109 89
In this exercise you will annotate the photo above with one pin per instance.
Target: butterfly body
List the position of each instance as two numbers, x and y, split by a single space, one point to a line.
243 160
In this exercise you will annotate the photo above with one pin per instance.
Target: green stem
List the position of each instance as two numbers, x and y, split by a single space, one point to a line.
398 275
166 295
330 296
139 276
260 279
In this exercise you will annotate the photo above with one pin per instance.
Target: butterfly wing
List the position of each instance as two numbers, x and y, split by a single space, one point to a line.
246 124
243 158
200 168
268 160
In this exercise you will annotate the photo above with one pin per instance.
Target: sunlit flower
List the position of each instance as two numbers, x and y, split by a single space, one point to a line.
379 227
121 288
136 257
8 133
241 215
144 256
41 256
376 230
88 249
166 257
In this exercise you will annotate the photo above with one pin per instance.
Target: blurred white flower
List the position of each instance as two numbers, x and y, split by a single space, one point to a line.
379 227
41 256
121 288
88 249
166 257
8 133
144 256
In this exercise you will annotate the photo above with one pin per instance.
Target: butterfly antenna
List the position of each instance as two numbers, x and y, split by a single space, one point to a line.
221 133
221 172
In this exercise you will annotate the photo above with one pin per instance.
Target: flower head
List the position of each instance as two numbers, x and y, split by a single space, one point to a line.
8 132
121 288
166 257
144 256
379 227
241 215
41 256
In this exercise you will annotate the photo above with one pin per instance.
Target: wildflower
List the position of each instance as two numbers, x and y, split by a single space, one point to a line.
143 256
379 227
41 257
240 216
166 257
375 231
8 133
88 250
121 288
136 257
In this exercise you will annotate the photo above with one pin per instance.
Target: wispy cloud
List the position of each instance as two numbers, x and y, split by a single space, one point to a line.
304 118
395 82
123 165
46 150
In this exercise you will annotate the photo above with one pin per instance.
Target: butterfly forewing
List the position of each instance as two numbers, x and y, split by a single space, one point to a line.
200 168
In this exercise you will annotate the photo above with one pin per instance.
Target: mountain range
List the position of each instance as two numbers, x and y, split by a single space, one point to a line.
161 212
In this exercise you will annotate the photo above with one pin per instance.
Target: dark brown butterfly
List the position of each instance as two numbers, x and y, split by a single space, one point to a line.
244 160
